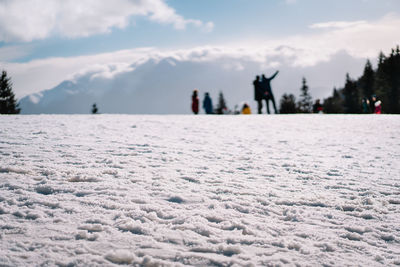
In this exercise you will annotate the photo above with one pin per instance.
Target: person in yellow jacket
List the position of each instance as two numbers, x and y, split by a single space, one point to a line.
246 109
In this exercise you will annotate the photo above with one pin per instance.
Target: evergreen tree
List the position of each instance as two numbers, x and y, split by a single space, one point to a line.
396 89
387 84
305 103
8 103
352 101
287 104
94 109
392 71
334 104
367 80
382 84
221 107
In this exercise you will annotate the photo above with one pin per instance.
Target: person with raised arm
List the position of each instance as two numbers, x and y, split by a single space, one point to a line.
267 91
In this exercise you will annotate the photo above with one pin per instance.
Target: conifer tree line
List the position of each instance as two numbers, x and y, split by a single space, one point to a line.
382 82
8 102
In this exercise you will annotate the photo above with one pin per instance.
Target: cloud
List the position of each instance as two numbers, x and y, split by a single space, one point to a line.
338 24
37 75
360 40
38 19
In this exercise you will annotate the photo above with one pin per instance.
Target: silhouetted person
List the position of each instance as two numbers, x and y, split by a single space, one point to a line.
94 109
317 107
365 105
267 92
372 103
207 104
195 102
258 93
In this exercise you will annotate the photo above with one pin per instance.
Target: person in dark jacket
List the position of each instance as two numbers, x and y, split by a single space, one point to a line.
365 105
195 102
267 91
207 104
258 93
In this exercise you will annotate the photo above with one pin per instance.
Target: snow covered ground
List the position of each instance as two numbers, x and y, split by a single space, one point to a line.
199 190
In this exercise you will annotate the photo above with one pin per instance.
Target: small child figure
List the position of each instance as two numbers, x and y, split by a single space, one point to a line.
317 107
246 109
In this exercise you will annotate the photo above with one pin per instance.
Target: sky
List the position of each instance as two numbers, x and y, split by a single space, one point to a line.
44 42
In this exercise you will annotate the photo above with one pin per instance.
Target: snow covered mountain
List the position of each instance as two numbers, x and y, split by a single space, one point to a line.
164 85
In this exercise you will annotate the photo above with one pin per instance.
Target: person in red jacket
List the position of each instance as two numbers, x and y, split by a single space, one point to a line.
195 102
377 105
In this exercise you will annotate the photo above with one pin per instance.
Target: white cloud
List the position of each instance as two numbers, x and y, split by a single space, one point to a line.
38 19
38 75
360 40
338 24
35 76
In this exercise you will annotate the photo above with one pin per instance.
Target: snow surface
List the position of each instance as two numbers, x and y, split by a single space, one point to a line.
199 190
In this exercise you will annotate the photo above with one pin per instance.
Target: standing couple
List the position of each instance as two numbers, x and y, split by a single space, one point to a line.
263 91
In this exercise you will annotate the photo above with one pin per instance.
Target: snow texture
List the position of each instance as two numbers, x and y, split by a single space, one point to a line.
199 190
